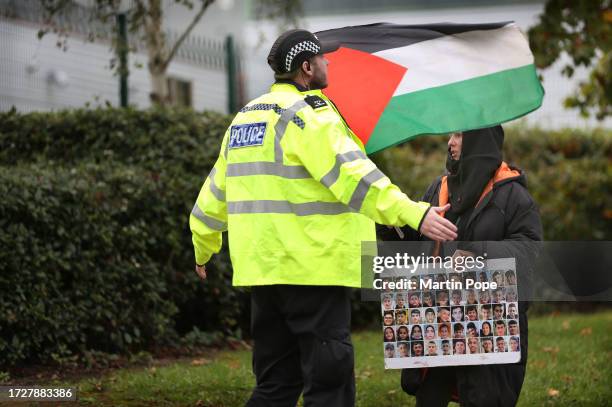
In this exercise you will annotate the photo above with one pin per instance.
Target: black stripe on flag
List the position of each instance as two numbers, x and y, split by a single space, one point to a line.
380 36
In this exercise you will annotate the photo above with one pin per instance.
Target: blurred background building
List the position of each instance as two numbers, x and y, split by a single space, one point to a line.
212 71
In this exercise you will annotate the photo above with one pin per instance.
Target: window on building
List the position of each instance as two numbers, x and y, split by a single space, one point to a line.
179 92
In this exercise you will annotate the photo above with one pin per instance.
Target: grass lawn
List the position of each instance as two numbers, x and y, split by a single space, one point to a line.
569 365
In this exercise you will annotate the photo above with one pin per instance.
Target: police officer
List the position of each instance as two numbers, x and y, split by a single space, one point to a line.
297 194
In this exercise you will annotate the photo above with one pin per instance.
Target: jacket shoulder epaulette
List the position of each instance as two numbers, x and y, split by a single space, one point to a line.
315 102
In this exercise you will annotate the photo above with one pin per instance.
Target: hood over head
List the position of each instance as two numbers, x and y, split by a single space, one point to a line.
481 156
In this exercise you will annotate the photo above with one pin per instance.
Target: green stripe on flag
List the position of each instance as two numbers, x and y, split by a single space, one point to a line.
471 104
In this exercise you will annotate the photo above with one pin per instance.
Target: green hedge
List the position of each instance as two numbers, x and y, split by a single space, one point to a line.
95 249
569 174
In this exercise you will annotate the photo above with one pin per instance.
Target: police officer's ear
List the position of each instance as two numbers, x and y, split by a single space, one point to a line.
307 68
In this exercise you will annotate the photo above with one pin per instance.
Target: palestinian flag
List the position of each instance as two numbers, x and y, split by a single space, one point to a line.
395 82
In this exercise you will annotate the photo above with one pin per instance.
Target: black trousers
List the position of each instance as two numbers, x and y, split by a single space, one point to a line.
302 343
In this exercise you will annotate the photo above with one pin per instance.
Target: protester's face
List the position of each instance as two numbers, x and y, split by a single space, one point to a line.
430 332
513 329
388 319
415 317
500 330
473 345
417 349
501 346
459 348
318 71
472 315
454 145
499 312
514 345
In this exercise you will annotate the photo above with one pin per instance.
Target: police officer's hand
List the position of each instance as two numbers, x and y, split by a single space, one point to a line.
201 270
435 227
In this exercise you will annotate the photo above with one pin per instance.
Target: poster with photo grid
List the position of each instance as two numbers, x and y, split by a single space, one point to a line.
427 327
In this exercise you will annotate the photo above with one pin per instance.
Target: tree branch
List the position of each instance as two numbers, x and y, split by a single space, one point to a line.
179 42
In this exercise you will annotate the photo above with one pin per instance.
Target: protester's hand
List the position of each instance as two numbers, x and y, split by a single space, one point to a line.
201 270
435 227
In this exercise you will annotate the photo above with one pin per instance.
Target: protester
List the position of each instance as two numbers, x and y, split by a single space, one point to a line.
489 204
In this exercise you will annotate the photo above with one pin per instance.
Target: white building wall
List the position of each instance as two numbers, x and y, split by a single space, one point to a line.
28 65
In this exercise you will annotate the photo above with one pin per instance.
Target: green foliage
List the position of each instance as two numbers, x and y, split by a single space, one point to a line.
95 249
568 174
581 29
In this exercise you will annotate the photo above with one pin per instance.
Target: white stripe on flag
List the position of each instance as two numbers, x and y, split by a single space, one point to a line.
459 57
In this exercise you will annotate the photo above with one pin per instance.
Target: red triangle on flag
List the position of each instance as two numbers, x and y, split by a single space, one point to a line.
372 78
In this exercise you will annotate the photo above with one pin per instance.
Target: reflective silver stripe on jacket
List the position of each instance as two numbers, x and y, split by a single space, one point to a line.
208 221
219 194
332 176
288 115
299 209
363 187
267 168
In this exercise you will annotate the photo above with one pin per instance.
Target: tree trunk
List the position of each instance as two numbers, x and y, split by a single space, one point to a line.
159 88
156 49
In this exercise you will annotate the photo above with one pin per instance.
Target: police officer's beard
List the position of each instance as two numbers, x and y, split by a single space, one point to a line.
316 82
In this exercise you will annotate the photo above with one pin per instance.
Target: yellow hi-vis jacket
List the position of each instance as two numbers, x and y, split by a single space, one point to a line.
296 193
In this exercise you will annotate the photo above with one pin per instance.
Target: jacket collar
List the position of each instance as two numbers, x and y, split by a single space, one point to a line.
292 87
503 174
288 85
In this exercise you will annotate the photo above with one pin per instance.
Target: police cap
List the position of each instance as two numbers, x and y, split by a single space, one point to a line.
294 47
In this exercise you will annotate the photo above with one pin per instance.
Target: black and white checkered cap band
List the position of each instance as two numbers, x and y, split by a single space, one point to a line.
297 48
